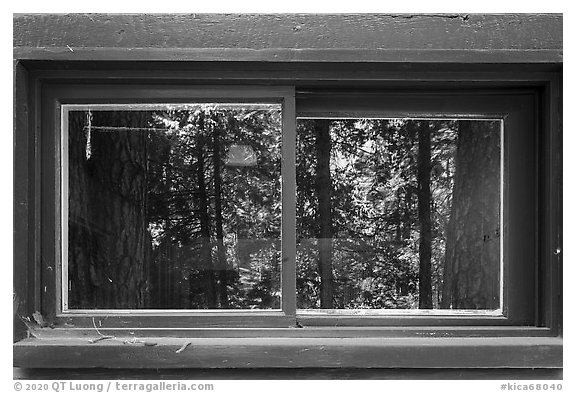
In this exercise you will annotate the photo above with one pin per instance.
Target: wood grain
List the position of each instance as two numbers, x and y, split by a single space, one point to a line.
22 209
508 38
536 352
291 374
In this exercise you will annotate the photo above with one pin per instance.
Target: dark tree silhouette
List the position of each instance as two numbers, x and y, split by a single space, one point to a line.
324 193
109 244
424 200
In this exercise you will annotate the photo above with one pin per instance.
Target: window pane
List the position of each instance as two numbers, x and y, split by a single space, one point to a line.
174 207
398 214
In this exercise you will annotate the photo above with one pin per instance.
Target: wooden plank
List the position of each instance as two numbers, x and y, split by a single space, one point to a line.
22 229
291 72
460 56
289 205
35 178
468 103
191 319
109 93
458 320
48 159
550 271
287 352
169 320
298 31
479 38
294 374
520 213
126 333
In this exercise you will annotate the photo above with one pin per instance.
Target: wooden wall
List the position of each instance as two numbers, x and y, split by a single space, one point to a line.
512 38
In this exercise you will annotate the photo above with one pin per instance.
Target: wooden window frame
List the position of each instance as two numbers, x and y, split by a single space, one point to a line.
529 339
57 97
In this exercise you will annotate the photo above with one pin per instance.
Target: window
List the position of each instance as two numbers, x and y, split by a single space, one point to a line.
399 214
171 206
178 206
281 214
377 159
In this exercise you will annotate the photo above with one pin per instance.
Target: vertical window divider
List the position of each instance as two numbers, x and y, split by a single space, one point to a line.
288 232
62 271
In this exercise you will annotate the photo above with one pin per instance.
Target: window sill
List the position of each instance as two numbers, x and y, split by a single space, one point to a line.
290 352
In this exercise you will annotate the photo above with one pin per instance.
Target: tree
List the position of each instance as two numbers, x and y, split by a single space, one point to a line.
158 217
424 200
471 272
324 193
228 218
109 245
373 197
205 261
220 250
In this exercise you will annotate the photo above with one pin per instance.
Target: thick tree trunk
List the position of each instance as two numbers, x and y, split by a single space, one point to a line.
424 198
472 266
324 193
82 252
109 244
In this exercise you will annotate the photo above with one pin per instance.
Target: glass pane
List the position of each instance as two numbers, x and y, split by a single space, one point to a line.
398 214
174 207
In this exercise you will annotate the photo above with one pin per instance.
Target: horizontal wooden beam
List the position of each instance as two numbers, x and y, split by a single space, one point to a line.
295 374
296 31
461 56
442 38
89 333
534 352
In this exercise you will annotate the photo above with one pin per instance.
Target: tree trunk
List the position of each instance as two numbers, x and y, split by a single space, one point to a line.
221 252
472 266
109 244
323 192
82 252
205 245
166 248
407 213
424 198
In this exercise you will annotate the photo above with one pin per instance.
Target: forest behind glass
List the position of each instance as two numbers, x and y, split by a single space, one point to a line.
179 207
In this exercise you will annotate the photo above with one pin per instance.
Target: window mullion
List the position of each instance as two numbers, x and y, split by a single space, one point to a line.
289 205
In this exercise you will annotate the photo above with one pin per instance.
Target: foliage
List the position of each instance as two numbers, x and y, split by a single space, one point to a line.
374 210
214 222
248 203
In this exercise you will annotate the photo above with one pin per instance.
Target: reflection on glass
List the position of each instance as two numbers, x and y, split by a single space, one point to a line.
398 214
174 207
